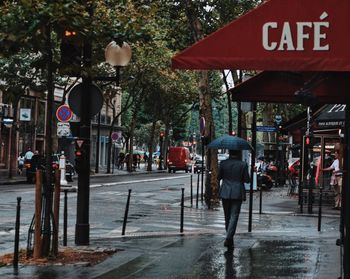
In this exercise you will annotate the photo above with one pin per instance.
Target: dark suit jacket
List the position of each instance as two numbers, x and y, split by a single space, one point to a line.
233 173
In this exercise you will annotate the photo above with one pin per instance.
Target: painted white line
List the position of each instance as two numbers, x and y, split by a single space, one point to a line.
136 181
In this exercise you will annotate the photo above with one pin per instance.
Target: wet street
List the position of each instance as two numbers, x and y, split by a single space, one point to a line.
282 244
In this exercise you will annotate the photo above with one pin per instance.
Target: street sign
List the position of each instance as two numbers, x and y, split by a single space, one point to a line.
25 114
76 94
202 126
278 119
79 142
63 129
266 129
64 113
116 135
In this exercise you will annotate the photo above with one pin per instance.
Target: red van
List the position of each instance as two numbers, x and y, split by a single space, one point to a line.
179 159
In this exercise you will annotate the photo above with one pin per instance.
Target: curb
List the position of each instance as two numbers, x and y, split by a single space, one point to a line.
92 176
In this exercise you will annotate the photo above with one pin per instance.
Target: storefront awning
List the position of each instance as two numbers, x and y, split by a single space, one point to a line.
285 87
288 35
333 116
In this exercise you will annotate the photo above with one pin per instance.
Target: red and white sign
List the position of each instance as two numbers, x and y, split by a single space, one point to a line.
278 35
64 113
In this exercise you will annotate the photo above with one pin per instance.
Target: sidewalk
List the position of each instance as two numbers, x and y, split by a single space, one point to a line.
21 179
282 244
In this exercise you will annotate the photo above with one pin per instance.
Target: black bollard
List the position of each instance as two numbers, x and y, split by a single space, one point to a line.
65 217
260 201
191 190
202 192
197 191
126 213
320 210
18 216
182 210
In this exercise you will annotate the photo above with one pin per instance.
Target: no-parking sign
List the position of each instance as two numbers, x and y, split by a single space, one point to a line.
64 113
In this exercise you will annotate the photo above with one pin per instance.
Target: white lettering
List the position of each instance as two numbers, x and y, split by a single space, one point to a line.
286 38
301 35
337 108
266 28
318 36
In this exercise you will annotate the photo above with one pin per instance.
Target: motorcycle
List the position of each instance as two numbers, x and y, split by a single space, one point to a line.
264 179
293 176
38 163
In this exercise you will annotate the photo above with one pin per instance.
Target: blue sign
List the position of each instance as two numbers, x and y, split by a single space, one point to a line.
64 113
266 129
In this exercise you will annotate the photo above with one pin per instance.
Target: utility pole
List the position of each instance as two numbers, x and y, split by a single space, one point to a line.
82 227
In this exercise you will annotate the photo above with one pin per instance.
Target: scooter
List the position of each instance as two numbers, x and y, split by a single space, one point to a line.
264 180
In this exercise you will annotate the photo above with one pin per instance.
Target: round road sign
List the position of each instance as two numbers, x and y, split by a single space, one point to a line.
64 113
76 95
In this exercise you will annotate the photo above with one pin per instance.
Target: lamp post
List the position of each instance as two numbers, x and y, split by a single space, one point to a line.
116 56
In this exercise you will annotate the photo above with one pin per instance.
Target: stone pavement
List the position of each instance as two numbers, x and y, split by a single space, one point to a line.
282 244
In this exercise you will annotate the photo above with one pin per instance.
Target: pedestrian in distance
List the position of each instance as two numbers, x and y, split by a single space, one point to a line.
29 154
145 158
234 173
336 179
20 163
121 158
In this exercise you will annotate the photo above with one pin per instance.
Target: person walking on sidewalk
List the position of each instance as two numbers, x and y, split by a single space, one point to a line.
234 173
336 179
20 163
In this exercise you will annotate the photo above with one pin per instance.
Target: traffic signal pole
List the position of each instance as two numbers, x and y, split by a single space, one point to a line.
82 227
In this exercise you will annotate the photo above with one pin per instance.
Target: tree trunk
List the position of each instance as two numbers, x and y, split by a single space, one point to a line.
150 146
109 146
211 193
13 142
229 105
48 147
205 101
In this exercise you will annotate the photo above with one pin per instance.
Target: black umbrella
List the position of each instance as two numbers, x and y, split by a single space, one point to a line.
230 143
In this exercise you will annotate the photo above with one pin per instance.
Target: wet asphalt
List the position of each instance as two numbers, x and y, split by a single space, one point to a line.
282 244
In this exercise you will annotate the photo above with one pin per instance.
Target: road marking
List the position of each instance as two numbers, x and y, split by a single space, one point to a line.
135 181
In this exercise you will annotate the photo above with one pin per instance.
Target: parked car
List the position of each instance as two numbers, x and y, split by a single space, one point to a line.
179 159
198 165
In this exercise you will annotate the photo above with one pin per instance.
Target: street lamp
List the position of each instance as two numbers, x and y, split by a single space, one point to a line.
116 56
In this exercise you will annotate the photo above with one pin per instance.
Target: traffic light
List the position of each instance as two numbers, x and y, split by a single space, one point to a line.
78 159
308 141
78 153
71 53
161 135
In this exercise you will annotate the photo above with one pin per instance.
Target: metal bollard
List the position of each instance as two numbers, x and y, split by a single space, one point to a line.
18 216
126 213
202 183
260 201
191 190
320 210
65 215
62 167
182 210
197 191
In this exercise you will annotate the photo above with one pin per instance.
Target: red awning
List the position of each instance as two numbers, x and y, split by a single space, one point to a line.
283 35
281 87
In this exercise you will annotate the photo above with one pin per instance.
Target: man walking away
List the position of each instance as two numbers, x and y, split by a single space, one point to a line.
234 173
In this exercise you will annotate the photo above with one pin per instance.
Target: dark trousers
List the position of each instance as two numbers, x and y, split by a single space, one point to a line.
232 209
